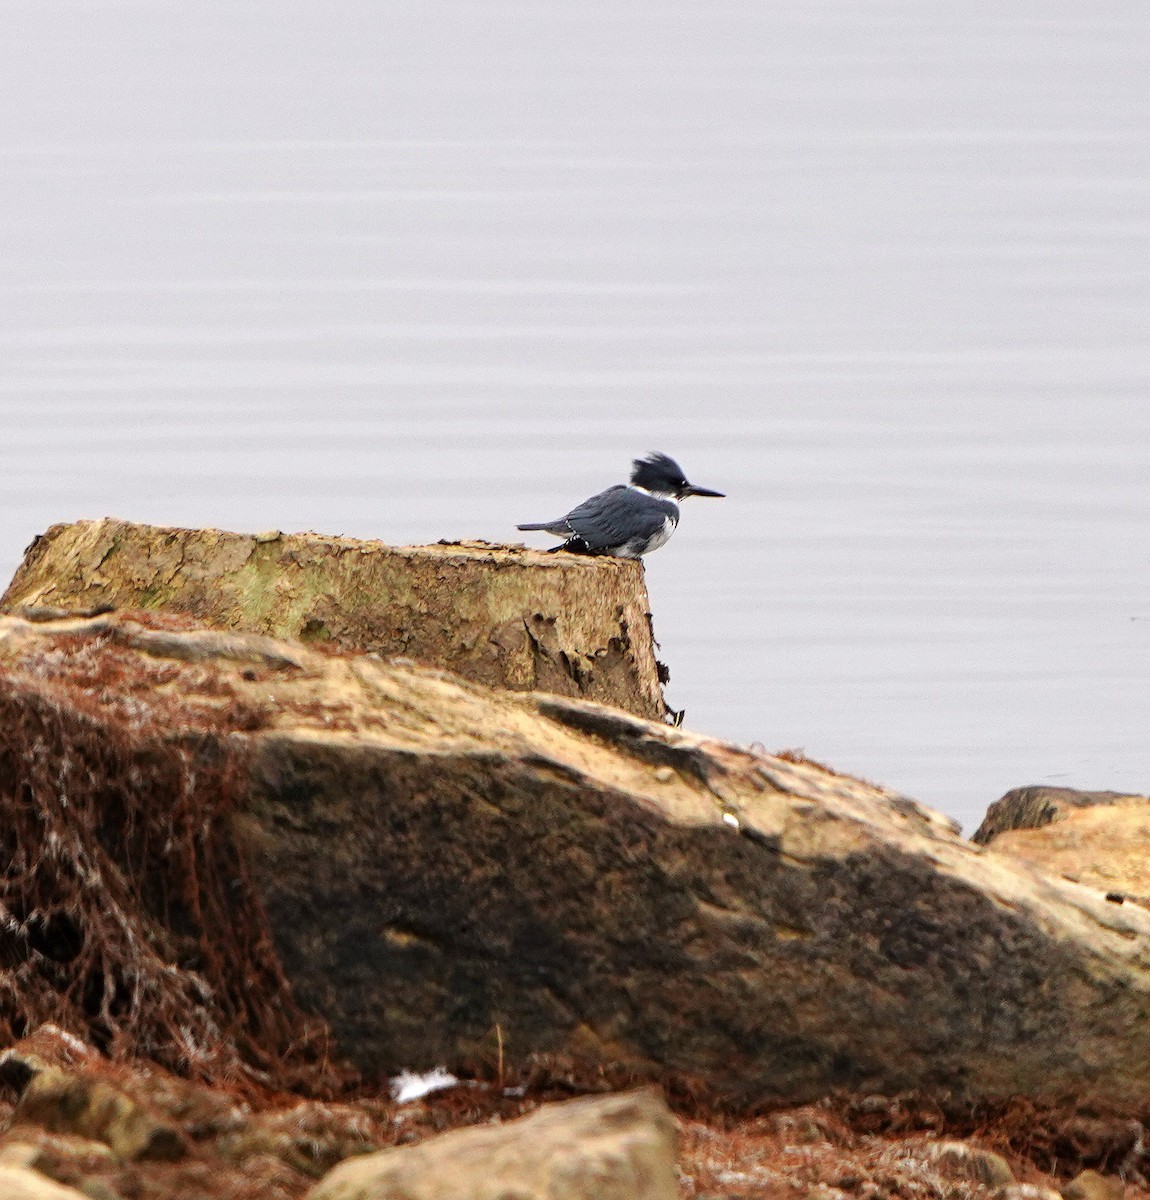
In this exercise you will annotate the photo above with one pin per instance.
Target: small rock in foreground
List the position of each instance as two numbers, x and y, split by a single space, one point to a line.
619 1147
961 1161
68 1103
1090 1185
19 1183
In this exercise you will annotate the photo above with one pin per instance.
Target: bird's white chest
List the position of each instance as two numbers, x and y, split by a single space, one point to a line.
640 546
660 538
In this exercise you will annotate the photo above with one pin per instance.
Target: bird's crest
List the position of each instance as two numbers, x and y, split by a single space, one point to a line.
658 473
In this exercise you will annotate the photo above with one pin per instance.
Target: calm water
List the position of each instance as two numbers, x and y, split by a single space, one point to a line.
878 270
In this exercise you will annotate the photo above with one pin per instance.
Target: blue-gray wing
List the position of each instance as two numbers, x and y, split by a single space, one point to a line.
617 516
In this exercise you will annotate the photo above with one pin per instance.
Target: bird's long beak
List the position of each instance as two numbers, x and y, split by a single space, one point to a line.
691 490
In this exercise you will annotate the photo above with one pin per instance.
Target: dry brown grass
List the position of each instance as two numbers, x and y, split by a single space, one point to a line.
125 914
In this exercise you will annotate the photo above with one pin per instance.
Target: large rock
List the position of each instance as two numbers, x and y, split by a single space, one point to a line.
499 615
447 868
609 1148
1101 839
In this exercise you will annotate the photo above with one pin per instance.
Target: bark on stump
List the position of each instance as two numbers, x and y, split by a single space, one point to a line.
503 616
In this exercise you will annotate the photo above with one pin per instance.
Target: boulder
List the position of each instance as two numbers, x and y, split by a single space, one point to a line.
503 616
1100 839
1038 806
603 1148
489 880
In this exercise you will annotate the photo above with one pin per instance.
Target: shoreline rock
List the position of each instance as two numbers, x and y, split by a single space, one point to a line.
444 867
1100 839
1037 806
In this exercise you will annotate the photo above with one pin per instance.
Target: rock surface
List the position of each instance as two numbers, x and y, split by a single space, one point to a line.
1100 839
1038 806
452 873
1026 1191
959 1160
618 1147
67 1102
502 616
1091 1185
20 1183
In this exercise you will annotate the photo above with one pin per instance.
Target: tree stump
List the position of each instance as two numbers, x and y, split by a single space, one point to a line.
503 616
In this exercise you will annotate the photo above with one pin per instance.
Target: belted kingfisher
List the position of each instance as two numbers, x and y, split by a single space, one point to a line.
627 520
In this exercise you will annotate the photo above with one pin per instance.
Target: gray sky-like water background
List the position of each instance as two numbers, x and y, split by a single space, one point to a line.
879 270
